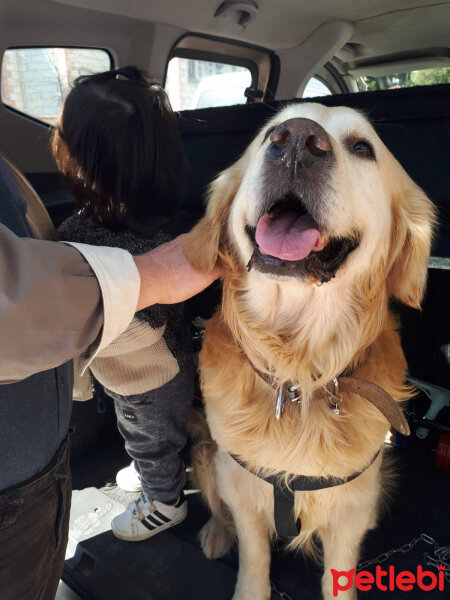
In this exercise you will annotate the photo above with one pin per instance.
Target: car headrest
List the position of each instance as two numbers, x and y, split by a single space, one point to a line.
37 216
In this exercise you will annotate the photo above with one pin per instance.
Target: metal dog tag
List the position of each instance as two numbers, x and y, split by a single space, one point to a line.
335 396
279 405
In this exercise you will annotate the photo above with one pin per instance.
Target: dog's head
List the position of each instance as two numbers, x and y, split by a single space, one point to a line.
318 199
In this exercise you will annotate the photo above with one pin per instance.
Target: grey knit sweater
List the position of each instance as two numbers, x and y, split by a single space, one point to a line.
157 343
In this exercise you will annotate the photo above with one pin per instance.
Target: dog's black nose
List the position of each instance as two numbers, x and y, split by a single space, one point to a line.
300 142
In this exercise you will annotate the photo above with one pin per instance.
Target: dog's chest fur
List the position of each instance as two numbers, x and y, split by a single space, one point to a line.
308 440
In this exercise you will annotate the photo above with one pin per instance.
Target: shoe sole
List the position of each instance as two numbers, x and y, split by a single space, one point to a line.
145 536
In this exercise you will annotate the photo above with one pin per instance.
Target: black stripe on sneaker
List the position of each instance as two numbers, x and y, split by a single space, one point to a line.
161 516
151 519
150 527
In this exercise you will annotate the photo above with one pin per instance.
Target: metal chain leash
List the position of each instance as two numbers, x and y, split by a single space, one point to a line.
441 557
441 554
279 594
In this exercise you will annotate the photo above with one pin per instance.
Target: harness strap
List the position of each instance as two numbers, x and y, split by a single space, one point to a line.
284 497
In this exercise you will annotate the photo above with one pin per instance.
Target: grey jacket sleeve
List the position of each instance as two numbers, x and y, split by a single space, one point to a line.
51 306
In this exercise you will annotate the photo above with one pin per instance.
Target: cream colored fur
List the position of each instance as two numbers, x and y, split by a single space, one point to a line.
310 334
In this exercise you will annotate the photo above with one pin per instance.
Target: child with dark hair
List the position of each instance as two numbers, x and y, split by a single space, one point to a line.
118 149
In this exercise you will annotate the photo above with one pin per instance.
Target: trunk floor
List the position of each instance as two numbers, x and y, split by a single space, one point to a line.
171 565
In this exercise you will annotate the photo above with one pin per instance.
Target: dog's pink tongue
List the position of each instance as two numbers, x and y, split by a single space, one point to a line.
287 236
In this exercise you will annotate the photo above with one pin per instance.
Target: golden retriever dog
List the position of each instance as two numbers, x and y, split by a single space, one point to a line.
316 226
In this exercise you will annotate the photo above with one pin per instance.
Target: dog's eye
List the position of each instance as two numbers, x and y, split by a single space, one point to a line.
363 149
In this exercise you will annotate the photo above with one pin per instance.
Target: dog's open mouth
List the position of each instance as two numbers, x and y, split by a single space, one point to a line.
288 241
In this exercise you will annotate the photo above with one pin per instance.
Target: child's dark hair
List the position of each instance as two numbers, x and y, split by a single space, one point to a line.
118 147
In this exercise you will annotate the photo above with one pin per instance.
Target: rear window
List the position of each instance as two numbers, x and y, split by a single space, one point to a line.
315 88
402 80
35 81
193 83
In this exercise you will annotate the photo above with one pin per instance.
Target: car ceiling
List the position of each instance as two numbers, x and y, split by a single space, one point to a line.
305 34
380 26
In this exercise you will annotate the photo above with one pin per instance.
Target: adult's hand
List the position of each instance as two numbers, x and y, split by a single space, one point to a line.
167 277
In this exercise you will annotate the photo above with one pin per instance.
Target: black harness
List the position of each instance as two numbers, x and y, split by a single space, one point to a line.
284 497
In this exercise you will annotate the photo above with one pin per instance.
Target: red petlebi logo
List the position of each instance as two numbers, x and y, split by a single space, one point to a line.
388 579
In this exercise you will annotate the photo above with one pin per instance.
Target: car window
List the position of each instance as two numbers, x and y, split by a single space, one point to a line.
402 80
315 88
36 80
193 83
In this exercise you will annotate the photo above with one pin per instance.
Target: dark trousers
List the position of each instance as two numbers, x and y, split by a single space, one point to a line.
34 528
153 425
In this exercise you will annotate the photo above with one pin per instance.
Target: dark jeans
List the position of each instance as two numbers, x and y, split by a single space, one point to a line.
153 425
34 528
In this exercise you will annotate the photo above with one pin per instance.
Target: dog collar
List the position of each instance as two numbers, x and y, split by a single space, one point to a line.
333 390
284 497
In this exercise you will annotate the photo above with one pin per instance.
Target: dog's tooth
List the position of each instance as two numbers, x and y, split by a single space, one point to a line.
322 241
273 213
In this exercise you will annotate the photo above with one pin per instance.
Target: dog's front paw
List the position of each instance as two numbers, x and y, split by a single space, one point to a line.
252 590
330 594
250 595
348 595
215 538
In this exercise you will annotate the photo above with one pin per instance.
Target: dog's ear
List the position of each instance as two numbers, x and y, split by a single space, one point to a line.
202 244
414 225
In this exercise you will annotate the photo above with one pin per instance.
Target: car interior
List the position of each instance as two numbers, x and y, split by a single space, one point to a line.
227 66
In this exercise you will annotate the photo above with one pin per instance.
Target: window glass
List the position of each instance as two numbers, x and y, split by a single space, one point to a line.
193 83
315 88
35 80
401 80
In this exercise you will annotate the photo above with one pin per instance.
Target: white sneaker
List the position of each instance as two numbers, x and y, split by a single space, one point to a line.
144 518
128 479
